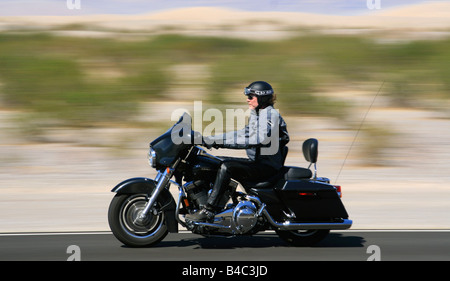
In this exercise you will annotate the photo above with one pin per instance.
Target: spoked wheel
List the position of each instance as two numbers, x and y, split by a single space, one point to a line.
127 226
303 238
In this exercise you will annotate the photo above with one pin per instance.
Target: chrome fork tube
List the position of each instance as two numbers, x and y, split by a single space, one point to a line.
162 179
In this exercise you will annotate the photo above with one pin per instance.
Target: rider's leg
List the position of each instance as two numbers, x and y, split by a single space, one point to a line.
231 167
236 168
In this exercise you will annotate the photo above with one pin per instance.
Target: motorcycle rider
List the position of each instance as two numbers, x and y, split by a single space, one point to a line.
263 138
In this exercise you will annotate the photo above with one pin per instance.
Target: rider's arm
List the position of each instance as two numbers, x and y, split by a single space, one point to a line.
261 131
235 139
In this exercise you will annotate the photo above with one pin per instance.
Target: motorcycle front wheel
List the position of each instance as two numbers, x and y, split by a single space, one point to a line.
127 226
303 238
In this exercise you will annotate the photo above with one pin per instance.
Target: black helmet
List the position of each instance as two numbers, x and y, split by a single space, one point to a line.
263 92
259 88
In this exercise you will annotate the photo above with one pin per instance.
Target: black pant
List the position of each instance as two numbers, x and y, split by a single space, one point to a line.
240 169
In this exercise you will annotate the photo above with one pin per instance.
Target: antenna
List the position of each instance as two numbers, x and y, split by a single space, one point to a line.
359 129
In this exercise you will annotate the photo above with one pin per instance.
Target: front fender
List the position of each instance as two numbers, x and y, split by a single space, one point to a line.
146 186
135 185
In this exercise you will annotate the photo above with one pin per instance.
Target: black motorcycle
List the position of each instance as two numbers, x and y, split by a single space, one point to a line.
301 207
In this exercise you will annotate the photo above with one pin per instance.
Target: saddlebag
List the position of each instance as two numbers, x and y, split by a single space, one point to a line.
311 200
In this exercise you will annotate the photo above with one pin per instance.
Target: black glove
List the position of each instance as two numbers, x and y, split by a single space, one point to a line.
209 145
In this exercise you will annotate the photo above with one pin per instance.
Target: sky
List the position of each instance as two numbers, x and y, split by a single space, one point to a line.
92 7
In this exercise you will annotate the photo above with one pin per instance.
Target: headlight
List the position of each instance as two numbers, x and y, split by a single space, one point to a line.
152 158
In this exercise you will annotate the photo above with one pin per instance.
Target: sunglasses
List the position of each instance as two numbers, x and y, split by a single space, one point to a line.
250 97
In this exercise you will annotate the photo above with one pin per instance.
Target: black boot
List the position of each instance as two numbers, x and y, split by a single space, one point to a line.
201 215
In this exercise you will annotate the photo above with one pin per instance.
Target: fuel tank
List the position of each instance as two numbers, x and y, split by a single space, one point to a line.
205 167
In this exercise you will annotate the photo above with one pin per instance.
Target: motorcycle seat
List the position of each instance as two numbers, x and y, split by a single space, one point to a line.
266 183
295 173
285 173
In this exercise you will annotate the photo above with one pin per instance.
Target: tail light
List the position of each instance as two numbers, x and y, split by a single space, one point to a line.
338 190
307 194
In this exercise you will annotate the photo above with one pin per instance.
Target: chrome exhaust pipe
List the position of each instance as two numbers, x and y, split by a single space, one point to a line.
345 224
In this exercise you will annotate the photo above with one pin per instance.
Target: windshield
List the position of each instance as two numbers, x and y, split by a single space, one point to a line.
169 145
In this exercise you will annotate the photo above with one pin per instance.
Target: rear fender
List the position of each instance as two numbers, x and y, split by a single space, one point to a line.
146 186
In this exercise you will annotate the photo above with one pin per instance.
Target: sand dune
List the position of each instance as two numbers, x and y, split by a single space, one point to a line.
425 10
420 16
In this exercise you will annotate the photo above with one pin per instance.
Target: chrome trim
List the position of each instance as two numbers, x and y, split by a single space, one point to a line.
163 181
315 170
152 157
175 183
221 220
177 211
254 199
291 214
261 209
158 176
215 225
345 224
227 220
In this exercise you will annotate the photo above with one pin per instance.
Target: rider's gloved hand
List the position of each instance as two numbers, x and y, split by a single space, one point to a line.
208 144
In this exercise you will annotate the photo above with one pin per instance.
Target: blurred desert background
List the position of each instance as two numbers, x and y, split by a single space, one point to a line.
81 96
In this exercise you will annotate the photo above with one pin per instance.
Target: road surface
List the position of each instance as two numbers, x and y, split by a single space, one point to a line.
338 246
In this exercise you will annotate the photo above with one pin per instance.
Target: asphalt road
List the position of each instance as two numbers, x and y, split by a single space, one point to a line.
338 246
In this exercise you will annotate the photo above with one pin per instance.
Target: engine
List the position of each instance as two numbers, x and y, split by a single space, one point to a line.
244 217
240 218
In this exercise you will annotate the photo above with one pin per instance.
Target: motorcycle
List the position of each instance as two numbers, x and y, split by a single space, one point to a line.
298 205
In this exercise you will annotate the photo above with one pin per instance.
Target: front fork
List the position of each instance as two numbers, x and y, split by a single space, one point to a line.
162 179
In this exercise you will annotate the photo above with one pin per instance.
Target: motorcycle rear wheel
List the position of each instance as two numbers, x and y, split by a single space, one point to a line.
127 227
303 238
